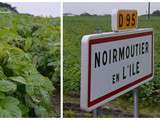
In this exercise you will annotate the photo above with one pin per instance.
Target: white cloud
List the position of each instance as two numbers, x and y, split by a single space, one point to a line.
106 8
38 8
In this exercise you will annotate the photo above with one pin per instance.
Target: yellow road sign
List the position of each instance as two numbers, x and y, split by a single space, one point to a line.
126 19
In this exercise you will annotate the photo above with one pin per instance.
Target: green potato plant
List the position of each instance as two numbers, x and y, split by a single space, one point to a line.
29 65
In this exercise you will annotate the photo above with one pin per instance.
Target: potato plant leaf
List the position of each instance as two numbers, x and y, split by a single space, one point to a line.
9 107
6 86
41 111
18 79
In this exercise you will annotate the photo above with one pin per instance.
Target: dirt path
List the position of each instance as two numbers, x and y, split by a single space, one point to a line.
103 112
56 103
72 109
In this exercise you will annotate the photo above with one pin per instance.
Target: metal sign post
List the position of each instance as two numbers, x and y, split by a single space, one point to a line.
135 95
95 113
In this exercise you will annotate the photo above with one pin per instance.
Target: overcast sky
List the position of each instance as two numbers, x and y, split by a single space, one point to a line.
106 8
38 9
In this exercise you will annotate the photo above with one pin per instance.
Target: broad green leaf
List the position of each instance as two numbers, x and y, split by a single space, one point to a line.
18 79
28 44
45 97
35 60
2 95
51 64
40 111
47 85
30 89
29 101
6 86
40 81
4 113
24 109
10 107
3 56
9 101
14 110
2 75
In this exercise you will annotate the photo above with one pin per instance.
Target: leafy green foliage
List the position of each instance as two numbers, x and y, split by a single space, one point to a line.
7 86
9 107
29 65
18 79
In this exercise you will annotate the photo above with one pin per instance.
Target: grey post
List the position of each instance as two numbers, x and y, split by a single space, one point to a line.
95 113
135 95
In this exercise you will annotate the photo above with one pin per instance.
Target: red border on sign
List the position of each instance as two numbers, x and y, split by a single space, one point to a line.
112 39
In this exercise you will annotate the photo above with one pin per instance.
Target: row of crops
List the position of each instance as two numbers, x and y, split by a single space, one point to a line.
76 27
29 65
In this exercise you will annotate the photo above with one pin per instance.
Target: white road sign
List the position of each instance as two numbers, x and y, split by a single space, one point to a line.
114 63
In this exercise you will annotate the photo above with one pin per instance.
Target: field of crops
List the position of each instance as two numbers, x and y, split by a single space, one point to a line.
29 65
77 26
